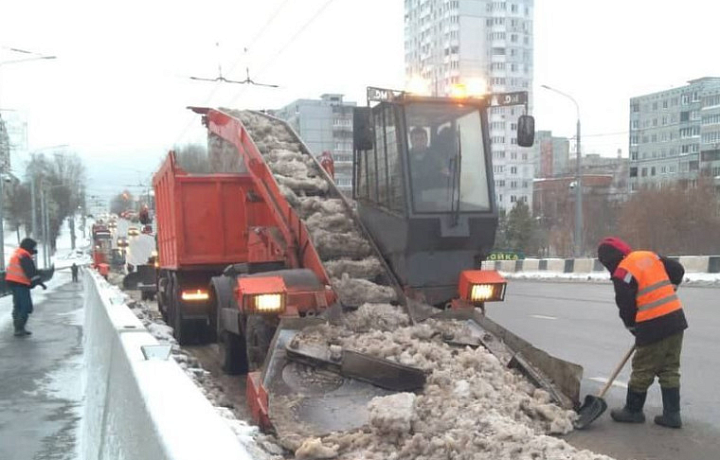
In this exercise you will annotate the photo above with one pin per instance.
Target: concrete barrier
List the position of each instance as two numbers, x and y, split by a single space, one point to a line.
583 266
695 264
531 265
508 265
137 408
692 264
555 265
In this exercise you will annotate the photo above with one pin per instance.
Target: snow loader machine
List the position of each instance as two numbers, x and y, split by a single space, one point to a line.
424 237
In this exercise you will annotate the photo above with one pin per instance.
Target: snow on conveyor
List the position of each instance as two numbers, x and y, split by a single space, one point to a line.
346 254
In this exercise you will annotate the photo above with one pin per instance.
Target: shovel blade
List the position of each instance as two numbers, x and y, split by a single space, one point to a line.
592 408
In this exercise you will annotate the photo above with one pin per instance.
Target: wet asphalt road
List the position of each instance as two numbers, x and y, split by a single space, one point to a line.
40 377
578 322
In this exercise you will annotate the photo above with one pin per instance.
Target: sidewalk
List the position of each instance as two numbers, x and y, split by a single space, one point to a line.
41 375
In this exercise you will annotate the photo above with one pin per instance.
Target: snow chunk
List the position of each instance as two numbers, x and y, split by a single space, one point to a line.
392 415
359 291
314 448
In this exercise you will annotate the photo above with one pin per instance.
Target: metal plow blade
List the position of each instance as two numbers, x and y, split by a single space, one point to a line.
560 378
309 394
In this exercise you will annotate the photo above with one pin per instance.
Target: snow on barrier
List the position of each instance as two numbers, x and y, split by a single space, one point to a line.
137 407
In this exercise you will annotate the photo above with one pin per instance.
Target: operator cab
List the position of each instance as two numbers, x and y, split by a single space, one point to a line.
424 186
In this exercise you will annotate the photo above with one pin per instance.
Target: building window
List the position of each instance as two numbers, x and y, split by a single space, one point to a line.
644 172
513 170
652 171
685 100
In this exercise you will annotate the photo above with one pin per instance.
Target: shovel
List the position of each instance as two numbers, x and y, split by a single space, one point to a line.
594 406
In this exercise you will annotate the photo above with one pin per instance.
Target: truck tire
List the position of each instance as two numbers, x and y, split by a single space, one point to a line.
258 336
233 357
161 296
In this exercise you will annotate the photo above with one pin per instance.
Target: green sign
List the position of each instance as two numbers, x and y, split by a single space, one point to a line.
506 255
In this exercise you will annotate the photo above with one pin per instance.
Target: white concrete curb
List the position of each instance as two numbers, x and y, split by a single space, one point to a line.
137 408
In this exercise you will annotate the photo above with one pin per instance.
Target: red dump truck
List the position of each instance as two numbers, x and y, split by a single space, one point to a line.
202 228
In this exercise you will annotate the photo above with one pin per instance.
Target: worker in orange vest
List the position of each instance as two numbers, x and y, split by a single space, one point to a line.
328 164
645 292
21 276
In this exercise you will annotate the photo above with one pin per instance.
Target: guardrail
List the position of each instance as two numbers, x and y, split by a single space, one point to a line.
137 407
692 264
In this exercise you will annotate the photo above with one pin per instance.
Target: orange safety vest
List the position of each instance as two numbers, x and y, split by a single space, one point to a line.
655 296
15 271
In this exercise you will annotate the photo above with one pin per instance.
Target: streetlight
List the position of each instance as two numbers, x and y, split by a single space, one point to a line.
578 178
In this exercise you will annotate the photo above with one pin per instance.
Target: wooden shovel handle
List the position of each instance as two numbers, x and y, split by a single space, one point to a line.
616 372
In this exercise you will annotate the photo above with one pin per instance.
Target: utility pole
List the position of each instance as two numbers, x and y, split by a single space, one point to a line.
2 215
44 235
578 248
48 245
33 205
578 196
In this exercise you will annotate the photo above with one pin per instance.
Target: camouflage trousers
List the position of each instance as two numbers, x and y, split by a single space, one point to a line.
660 359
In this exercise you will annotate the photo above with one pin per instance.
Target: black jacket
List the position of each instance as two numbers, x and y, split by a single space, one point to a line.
647 332
28 266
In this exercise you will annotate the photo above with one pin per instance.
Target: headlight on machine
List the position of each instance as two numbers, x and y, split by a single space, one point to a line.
268 303
478 286
263 295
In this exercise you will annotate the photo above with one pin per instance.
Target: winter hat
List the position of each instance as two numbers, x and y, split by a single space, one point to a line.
611 251
29 245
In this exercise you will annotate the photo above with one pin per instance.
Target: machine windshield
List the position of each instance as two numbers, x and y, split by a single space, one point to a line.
447 158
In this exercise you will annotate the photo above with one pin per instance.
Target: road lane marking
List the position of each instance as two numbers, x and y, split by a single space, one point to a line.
604 380
543 317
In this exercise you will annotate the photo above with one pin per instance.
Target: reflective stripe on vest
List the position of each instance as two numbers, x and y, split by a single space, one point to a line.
656 296
15 272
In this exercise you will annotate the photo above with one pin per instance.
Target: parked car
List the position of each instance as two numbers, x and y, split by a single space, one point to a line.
133 231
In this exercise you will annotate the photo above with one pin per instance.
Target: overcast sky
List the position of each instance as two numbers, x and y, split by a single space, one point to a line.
117 92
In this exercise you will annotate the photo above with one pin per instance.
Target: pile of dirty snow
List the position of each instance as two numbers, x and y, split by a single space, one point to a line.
471 407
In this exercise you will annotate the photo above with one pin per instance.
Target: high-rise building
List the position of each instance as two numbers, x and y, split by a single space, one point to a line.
551 154
466 42
325 124
675 134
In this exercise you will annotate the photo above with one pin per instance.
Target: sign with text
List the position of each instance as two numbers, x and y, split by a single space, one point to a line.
505 255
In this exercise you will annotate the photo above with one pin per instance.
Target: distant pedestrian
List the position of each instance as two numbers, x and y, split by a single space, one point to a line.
645 285
74 270
21 276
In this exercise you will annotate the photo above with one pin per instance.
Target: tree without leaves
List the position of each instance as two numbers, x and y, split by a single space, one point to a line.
673 220
17 211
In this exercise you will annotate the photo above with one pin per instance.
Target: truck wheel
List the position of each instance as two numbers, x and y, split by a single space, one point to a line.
258 335
161 296
233 358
